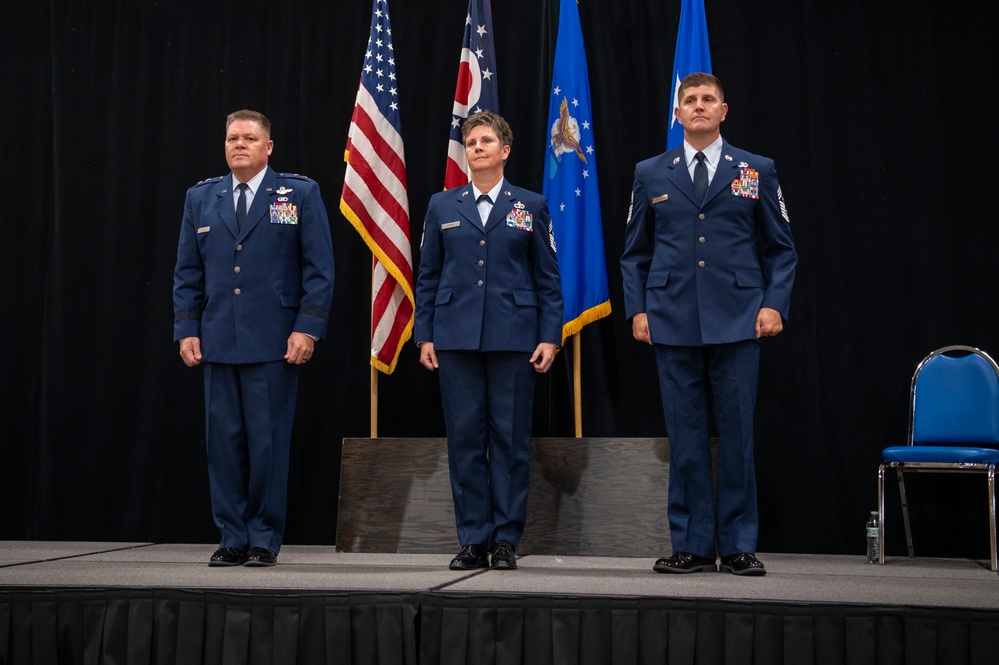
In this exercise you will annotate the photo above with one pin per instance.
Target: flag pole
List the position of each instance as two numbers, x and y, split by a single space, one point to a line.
577 383
374 402
373 389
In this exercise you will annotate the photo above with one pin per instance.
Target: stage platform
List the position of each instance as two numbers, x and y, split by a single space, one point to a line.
161 603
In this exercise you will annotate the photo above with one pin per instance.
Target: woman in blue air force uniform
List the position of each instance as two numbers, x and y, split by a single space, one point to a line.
489 317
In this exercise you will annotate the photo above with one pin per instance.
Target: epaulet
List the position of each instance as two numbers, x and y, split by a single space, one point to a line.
205 182
294 175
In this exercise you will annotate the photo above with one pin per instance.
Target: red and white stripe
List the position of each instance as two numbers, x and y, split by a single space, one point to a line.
376 202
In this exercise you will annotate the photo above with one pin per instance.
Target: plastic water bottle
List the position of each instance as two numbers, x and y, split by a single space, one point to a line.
873 542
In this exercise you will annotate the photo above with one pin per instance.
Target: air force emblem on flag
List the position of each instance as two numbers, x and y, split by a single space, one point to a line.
564 137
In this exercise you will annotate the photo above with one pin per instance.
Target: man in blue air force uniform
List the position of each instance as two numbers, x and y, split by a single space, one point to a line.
489 317
700 289
252 292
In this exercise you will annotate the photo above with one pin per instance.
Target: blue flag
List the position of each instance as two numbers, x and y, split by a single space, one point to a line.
692 55
570 184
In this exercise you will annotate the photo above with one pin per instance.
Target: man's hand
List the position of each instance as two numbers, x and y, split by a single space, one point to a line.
190 351
640 328
768 323
300 348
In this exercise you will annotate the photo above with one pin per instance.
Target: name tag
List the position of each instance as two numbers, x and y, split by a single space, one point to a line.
204 229
450 225
660 199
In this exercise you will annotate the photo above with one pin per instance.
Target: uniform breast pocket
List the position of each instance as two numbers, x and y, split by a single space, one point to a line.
744 200
517 239
204 238
453 238
285 237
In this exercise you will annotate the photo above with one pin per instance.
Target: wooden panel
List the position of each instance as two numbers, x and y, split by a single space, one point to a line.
598 497
395 496
590 497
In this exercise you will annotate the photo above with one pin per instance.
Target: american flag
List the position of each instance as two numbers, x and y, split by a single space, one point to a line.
374 196
476 89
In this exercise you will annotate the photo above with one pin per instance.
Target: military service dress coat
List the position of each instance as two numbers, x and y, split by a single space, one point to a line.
694 268
244 291
492 288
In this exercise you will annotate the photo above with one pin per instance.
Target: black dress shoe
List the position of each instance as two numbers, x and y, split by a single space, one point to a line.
684 562
503 556
742 563
471 557
259 556
227 556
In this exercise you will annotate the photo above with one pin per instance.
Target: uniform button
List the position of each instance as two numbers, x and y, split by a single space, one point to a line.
237 291
236 269
700 264
481 263
479 283
239 248
701 216
482 243
701 240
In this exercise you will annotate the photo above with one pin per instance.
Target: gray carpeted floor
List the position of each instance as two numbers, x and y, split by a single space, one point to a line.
803 578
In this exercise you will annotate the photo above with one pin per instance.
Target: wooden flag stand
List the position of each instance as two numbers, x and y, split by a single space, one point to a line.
577 384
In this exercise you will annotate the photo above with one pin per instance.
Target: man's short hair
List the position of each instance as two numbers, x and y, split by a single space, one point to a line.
700 78
247 114
491 120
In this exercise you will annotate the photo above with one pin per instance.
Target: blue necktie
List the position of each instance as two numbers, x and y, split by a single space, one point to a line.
241 204
700 177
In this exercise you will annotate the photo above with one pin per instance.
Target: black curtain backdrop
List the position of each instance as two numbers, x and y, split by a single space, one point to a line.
878 116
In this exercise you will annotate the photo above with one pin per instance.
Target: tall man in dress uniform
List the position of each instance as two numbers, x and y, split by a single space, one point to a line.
252 293
699 288
489 317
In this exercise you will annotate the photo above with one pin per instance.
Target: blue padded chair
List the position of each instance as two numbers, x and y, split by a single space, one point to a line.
953 418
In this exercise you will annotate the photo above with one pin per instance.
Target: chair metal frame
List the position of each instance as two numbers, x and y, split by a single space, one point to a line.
989 469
